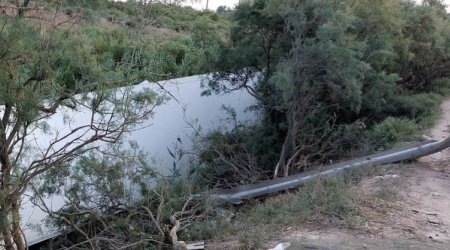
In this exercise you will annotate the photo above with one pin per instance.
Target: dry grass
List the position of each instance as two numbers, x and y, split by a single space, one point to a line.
346 202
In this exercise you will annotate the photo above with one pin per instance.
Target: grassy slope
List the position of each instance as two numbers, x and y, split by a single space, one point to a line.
166 32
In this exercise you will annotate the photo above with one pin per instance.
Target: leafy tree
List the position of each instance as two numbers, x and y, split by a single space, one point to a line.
322 68
53 71
427 30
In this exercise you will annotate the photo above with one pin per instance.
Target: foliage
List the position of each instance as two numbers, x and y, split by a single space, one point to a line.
323 70
245 154
175 37
114 198
71 56
53 70
442 86
94 4
231 158
393 130
423 108
332 79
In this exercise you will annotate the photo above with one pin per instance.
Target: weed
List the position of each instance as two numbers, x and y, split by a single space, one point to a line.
386 193
393 130
249 240
322 201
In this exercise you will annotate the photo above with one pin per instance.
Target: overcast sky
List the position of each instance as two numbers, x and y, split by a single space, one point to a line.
213 4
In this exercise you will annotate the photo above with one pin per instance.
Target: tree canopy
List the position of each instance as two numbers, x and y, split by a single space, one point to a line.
328 72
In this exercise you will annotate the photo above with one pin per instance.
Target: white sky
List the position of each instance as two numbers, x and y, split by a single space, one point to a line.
213 4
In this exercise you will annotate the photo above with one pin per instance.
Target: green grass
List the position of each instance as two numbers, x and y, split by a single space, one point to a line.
394 130
173 17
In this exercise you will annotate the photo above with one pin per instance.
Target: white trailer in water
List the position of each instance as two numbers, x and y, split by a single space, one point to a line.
170 124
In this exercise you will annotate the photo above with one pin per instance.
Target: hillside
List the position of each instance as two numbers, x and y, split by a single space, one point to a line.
171 34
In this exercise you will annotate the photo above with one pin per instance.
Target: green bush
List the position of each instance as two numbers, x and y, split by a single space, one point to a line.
422 108
176 50
94 4
393 130
442 86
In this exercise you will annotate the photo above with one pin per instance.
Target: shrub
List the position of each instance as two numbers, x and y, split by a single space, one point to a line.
94 4
393 130
176 50
441 86
423 108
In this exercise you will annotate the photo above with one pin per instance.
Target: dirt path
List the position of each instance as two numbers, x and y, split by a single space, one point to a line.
440 131
416 217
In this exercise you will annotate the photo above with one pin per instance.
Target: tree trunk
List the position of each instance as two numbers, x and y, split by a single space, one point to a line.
10 230
15 224
11 233
5 229
289 144
171 238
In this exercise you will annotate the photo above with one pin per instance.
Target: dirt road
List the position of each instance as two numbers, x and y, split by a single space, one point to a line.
441 160
417 216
